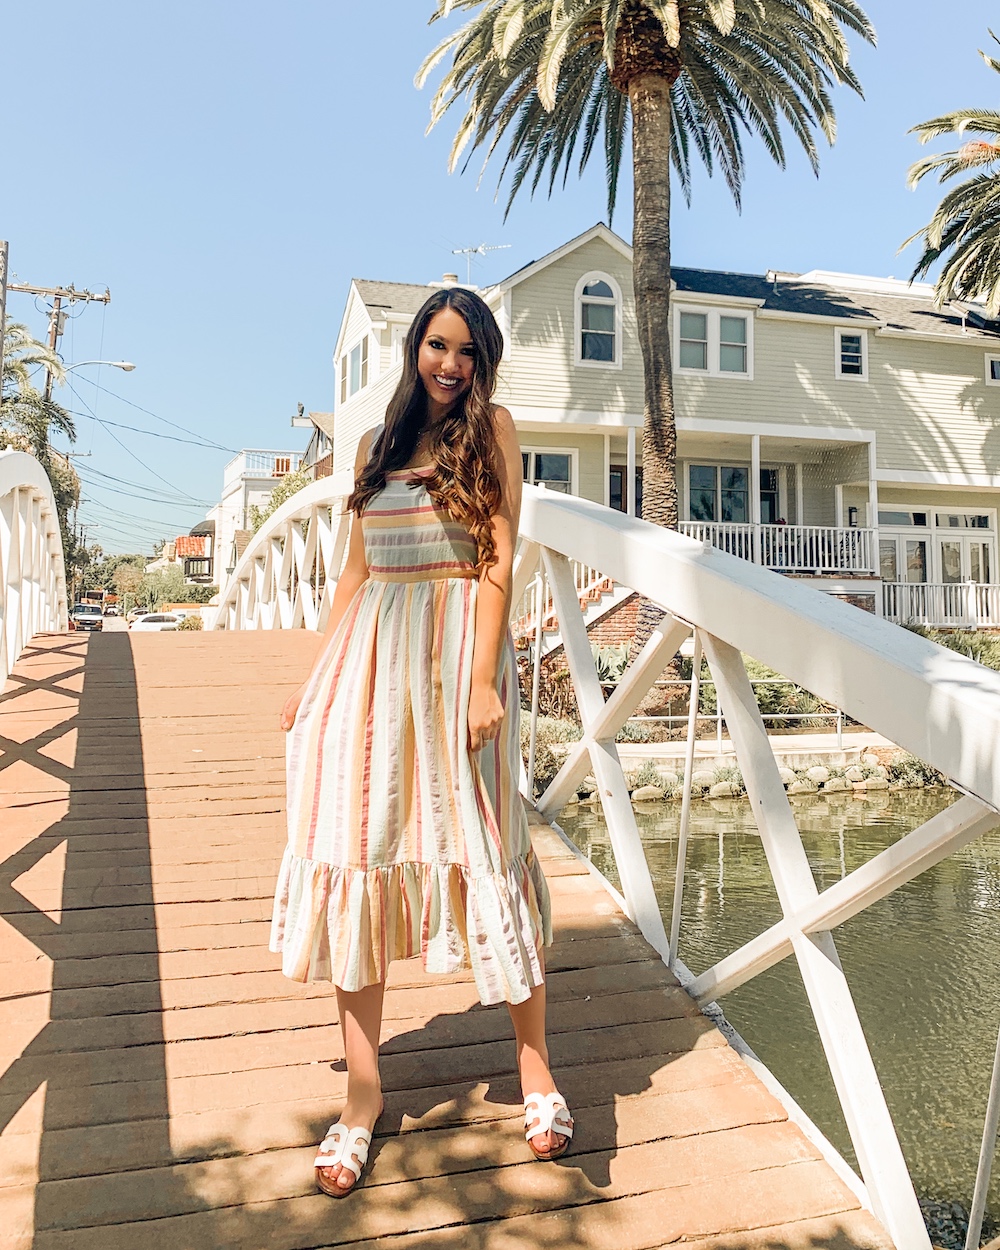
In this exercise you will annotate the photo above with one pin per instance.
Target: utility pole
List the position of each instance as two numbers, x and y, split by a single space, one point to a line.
57 316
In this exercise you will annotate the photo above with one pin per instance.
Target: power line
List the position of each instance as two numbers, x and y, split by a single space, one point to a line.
172 501
157 417
127 450
139 430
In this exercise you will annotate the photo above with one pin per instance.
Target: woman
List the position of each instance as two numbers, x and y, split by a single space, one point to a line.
406 831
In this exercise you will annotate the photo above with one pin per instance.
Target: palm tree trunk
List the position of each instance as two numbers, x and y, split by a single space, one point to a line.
649 99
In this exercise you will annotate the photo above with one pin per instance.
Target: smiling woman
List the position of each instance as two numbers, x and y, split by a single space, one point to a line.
407 835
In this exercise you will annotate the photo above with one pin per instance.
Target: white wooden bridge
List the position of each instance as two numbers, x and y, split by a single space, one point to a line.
161 1084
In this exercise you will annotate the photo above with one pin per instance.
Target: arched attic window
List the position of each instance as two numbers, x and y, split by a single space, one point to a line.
598 321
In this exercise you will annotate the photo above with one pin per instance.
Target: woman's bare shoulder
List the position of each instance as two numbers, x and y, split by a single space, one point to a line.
503 424
365 445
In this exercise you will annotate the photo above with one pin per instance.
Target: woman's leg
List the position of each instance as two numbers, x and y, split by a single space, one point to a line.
533 1055
360 1024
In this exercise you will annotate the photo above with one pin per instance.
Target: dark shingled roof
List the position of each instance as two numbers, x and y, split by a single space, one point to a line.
784 294
401 297
789 293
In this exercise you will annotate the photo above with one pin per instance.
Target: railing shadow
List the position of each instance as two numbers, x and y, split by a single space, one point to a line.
96 1035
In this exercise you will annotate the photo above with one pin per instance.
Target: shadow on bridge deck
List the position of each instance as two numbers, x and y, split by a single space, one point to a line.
162 1084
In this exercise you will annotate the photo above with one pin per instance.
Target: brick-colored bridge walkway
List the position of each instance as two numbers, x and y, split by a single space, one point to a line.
162 1085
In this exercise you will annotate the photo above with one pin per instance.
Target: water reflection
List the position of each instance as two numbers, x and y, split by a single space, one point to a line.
923 965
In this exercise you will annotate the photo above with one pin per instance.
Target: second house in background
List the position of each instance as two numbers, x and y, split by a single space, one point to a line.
832 426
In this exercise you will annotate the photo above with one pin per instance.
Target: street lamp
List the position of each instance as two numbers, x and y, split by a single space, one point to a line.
126 365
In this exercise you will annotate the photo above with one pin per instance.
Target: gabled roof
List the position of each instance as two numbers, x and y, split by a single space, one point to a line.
399 297
599 231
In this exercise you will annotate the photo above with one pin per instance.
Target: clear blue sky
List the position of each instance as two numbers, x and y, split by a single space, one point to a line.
226 168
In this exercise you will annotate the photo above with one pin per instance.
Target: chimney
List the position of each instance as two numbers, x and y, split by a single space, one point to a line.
449 279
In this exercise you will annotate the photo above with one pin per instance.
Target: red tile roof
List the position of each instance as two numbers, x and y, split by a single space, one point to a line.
190 545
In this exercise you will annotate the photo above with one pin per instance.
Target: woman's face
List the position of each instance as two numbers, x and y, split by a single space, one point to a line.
446 361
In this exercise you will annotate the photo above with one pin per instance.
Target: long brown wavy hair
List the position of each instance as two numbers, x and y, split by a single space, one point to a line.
465 482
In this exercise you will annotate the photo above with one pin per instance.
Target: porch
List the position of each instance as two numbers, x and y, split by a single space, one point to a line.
792 548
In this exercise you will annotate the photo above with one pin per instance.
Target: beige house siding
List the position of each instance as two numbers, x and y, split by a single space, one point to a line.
541 372
590 457
927 402
362 412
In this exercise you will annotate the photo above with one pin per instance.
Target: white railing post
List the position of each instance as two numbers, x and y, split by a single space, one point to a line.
32 574
861 1097
682 833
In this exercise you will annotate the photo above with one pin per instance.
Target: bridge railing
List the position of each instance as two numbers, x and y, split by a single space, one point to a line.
940 706
32 574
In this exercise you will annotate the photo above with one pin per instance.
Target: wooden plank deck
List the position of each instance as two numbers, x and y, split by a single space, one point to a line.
161 1084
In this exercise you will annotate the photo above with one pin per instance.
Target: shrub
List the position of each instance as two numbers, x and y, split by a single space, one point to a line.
647 775
907 770
610 661
633 731
194 621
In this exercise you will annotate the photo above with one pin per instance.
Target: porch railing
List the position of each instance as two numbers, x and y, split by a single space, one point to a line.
942 605
791 548
939 705
32 576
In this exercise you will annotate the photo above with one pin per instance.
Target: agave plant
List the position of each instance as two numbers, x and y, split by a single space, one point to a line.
965 228
556 80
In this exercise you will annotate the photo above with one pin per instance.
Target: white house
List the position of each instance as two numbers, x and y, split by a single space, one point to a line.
248 479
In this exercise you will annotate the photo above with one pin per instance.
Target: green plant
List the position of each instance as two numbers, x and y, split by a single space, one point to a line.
633 731
908 770
610 661
194 621
647 775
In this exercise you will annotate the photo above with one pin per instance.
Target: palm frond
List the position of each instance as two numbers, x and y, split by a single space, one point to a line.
535 77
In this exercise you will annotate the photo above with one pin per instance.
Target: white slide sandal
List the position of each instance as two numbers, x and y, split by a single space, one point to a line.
347 1147
543 1112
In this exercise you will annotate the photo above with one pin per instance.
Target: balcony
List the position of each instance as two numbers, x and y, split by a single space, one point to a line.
942 605
818 549
256 463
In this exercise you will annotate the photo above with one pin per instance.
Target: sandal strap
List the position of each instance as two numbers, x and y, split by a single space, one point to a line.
543 1112
347 1146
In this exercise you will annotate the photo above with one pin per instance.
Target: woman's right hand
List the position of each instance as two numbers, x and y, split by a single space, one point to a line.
290 710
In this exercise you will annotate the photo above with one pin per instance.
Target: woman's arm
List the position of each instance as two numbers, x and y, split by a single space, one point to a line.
493 604
354 575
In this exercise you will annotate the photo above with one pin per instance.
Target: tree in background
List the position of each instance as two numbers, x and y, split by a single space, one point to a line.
557 80
27 420
289 485
965 228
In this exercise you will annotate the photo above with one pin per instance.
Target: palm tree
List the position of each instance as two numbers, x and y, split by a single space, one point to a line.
27 420
692 78
965 227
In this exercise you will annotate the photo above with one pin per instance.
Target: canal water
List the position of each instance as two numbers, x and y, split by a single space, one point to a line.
923 964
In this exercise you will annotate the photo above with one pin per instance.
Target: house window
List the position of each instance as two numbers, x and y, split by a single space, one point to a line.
282 465
354 370
551 469
694 341
720 492
198 568
992 370
852 354
714 342
598 321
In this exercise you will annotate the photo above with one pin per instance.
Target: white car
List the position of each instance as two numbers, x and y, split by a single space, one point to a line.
150 622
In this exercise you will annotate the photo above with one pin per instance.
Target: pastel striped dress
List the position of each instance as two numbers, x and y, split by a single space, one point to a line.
401 841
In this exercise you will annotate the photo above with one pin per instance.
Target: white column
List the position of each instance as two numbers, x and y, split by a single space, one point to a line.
872 489
838 506
755 495
630 471
800 495
607 470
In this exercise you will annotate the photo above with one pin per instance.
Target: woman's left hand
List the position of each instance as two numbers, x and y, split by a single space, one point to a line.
485 715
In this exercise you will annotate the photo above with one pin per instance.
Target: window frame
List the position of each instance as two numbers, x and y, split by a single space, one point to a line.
733 463
596 275
365 375
574 462
713 314
838 334
990 357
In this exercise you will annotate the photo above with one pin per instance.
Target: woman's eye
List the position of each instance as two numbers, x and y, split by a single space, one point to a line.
436 344
468 351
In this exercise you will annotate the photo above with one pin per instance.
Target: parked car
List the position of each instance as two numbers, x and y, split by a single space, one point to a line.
150 622
112 610
133 614
86 616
